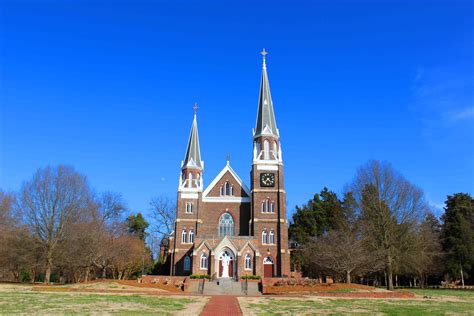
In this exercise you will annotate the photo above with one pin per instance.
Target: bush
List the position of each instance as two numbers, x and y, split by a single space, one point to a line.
251 277
199 276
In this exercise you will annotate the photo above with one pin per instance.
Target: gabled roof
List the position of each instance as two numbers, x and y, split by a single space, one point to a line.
203 243
229 169
192 159
266 123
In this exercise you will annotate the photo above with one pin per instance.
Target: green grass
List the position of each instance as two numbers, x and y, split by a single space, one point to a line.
442 293
64 303
276 306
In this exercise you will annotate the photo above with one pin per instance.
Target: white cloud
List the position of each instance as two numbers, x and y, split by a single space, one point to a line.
463 114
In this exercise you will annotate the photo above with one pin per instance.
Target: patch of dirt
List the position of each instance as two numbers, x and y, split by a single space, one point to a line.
336 290
196 307
108 286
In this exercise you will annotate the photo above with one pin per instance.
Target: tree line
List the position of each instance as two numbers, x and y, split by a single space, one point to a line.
383 231
57 228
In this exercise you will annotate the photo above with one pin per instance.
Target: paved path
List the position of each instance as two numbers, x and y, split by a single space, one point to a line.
222 305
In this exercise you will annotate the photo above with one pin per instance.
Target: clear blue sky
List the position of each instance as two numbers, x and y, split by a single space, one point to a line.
108 88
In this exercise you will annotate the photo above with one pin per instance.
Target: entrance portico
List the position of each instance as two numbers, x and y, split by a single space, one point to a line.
226 264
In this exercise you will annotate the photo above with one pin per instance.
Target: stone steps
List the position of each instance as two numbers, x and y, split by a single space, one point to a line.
225 287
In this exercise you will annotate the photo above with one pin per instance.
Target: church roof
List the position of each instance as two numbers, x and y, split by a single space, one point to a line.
266 123
226 169
192 159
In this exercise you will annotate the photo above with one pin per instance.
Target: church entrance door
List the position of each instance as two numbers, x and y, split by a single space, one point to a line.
226 264
268 267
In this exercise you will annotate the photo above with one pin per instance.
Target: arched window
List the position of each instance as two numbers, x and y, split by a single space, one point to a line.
227 189
189 207
266 150
226 225
271 237
268 260
248 262
191 236
264 237
203 264
275 149
190 179
184 237
187 263
268 206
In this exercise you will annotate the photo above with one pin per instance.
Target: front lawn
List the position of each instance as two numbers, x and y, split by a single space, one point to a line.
25 301
460 304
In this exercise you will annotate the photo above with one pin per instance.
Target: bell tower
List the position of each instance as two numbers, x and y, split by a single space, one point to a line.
189 203
268 221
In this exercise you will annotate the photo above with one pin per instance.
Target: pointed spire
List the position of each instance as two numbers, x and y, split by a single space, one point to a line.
192 159
266 123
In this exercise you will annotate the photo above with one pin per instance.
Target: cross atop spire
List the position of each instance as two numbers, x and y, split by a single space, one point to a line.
264 53
195 108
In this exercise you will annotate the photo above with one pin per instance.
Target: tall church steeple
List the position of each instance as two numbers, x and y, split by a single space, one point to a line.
266 123
266 134
192 165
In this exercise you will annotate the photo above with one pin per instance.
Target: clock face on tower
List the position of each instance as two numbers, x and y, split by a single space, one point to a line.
267 180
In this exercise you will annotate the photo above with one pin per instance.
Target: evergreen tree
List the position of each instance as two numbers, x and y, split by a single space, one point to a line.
317 217
458 236
137 225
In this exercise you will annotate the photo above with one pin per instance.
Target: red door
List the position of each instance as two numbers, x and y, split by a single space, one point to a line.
268 270
220 268
231 268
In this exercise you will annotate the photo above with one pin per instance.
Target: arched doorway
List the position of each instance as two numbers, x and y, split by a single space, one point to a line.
226 264
268 267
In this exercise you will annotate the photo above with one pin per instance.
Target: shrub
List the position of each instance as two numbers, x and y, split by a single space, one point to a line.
280 282
251 277
199 276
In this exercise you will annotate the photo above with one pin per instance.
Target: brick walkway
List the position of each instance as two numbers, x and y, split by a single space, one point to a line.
222 305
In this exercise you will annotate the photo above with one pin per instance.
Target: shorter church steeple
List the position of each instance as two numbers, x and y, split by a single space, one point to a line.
266 123
192 165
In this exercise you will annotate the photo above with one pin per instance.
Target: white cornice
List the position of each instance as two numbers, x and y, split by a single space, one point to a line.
225 199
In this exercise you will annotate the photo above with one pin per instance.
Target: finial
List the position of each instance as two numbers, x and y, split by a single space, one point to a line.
264 53
228 158
195 108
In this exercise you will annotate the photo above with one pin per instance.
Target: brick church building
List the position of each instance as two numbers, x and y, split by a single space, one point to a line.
228 230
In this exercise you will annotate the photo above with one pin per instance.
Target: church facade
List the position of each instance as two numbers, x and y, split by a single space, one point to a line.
228 230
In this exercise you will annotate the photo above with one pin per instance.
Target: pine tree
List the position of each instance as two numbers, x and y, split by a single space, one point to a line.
458 235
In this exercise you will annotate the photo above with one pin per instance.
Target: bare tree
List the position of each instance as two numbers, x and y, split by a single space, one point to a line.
341 252
390 206
52 199
163 214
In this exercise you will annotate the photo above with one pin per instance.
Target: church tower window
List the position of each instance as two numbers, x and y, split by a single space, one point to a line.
226 225
190 180
264 237
189 208
271 237
268 206
184 236
191 236
266 150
